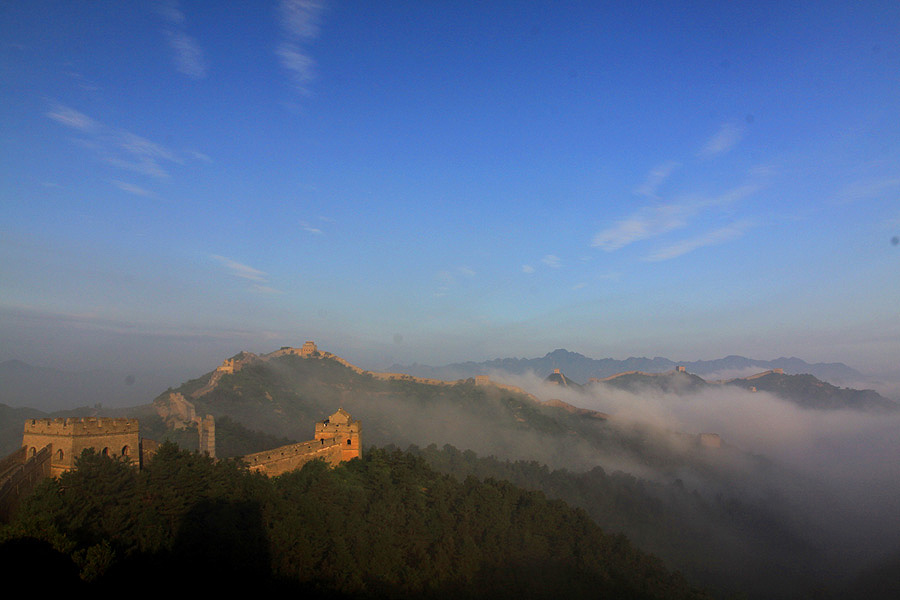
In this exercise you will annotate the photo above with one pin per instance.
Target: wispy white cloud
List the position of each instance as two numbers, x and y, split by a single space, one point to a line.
140 146
201 156
722 141
646 223
264 289
552 261
169 11
72 118
189 58
655 178
310 229
712 238
300 26
300 18
656 220
117 147
132 189
241 270
83 82
528 269
188 55
299 64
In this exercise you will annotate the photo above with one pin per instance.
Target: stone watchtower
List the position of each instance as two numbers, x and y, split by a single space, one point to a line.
69 437
339 427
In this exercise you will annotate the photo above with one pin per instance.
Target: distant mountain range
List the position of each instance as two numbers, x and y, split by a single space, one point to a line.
582 368
694 499
804 390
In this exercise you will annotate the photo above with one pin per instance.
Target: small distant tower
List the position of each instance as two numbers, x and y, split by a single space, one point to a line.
207 430
308 348
680 369
339 426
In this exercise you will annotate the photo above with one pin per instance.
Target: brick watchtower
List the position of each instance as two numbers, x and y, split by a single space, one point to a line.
339 427
69 437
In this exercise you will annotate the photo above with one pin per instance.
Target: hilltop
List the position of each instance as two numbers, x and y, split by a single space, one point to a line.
284 392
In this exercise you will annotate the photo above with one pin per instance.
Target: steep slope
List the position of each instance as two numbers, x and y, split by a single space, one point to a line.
384 526
285 395
809 392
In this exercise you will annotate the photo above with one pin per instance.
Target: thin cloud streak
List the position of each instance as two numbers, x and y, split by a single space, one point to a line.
189 59
653 221
117 147
300 26
649 222
187 53
241 270
552 261
724 140
712 238
72 118
656 178
310 229
132 189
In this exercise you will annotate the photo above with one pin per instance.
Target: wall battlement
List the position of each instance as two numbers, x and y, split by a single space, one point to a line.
764 373
338 438
81 426
307 349
70 437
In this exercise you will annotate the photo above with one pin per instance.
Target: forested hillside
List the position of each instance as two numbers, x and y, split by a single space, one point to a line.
384 526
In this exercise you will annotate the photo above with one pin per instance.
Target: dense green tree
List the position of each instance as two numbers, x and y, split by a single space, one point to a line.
387 525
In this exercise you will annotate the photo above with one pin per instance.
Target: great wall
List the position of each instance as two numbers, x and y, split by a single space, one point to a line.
311 351
51 446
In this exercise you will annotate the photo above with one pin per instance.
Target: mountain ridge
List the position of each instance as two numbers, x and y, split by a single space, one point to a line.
581 367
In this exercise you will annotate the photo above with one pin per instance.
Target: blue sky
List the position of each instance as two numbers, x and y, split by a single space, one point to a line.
444 181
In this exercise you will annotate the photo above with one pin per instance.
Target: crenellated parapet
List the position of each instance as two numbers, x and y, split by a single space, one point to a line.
338 438
290 458
84 426
307 349
68 438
